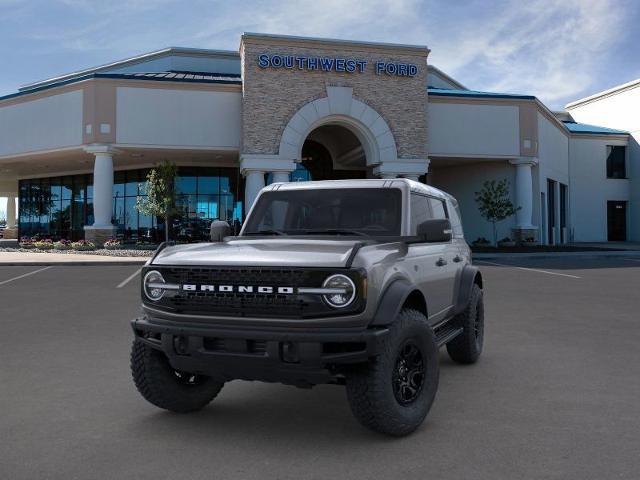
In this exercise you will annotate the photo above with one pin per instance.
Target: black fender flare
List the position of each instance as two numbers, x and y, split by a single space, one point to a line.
391 302
467 279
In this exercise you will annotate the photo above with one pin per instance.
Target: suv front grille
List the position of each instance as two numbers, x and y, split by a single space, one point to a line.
235 304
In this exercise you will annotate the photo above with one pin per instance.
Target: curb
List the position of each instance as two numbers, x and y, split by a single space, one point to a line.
82 263
532 255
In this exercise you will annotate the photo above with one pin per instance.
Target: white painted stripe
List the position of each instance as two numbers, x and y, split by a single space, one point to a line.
528 269
129 278
25 275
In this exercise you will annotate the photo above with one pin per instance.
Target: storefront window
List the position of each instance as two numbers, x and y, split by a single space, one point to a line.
60 207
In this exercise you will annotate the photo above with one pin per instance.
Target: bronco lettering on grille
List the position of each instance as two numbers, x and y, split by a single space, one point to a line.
190 287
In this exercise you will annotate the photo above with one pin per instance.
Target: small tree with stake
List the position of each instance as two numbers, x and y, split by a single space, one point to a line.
494 203
160 200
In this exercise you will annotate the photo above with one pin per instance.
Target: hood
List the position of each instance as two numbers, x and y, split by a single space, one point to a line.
282 252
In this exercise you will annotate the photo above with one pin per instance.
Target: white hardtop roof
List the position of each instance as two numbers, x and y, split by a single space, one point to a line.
360 183
604 93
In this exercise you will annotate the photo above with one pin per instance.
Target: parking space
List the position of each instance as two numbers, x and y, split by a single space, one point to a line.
555 394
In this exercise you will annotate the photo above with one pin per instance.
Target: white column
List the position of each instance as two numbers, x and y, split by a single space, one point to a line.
103 190
11 211
254 183
524 191
403 167
280 177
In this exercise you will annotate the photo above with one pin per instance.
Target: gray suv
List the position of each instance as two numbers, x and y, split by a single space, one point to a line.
354 282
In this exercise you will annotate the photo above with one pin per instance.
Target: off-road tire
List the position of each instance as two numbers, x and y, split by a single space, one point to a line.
371 388
467 347
162 386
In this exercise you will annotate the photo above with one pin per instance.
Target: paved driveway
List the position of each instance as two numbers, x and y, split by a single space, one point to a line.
555 395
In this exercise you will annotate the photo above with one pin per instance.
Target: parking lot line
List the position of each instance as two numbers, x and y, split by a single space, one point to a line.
25 275
528 269
129 278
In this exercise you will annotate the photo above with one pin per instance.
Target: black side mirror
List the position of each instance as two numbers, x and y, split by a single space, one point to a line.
435 230
218 230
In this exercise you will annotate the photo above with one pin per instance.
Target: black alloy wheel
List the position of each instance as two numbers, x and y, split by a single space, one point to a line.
408 374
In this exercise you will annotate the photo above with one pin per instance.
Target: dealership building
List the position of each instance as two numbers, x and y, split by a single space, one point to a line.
75 149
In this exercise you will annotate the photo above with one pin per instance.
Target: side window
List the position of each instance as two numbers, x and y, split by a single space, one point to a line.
420 211
454 215
616 161
438 208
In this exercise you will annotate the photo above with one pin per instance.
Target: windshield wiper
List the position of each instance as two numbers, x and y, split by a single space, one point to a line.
334 231
266 232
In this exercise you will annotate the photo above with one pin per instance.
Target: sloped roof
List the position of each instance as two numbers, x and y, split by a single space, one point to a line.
475 93
575 127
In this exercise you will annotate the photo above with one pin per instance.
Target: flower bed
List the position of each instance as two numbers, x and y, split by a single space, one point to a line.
62 245
83 245
113 244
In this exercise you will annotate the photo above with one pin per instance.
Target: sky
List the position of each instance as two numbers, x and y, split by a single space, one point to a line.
558 50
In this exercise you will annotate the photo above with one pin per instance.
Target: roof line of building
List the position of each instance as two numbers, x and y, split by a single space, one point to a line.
591 130
121 76
131 61
445 92
336 41
604 93
446 76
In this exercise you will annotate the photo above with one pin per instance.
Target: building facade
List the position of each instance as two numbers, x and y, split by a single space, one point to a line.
75 149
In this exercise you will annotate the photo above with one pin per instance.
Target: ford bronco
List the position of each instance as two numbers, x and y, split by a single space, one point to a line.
349 282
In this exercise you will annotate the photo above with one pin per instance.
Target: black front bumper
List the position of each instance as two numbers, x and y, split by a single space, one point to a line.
301 358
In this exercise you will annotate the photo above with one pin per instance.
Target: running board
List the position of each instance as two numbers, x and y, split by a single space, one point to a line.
446 334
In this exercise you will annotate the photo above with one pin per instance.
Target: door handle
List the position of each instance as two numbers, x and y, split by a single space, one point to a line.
457 259
441 262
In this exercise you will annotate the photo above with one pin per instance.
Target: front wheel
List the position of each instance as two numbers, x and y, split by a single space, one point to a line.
165 387
394 393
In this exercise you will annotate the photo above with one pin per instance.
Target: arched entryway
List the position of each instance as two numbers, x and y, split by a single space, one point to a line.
332 152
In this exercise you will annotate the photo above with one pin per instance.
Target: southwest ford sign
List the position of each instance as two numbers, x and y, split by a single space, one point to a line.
331 64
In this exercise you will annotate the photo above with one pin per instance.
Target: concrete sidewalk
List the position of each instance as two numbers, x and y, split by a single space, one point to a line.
33 258
592 254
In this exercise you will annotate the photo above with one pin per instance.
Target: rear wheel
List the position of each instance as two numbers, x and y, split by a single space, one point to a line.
394 392
166 387
467 347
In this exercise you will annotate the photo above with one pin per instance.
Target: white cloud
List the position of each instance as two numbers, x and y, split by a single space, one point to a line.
548 48
554 49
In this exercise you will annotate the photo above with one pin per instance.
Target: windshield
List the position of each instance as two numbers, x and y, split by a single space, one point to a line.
337 211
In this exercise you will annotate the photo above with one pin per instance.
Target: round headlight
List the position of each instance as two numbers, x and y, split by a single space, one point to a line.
152 285
345 291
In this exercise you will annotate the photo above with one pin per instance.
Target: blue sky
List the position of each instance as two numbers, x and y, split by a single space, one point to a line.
557 50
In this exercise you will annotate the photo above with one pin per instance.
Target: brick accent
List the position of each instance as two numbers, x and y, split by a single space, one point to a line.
272 96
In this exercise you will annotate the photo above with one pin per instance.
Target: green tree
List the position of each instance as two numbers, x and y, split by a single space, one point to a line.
160 199
494 203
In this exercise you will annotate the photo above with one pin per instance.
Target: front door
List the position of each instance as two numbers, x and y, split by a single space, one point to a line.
617 221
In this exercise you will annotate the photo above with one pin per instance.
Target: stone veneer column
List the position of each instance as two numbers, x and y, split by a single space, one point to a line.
102 228
524 197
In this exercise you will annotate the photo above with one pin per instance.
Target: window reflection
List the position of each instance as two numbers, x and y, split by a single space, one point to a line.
59 207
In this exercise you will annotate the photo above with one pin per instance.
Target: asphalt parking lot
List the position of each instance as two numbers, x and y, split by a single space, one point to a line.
555 395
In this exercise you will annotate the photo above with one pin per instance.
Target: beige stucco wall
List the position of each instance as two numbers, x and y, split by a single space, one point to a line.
272 96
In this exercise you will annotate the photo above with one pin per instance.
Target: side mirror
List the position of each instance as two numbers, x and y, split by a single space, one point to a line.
435 230
218 230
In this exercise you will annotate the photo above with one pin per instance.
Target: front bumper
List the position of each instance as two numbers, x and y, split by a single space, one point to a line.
268 354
